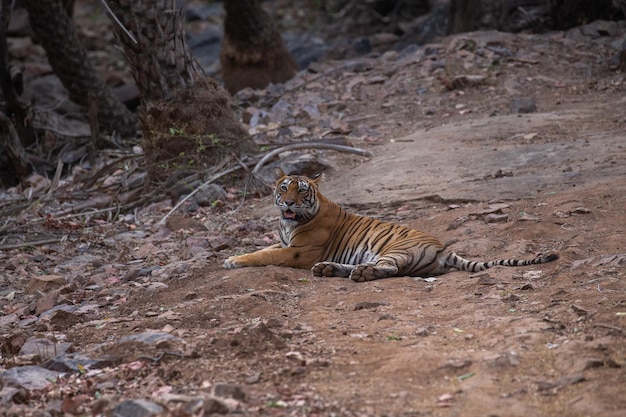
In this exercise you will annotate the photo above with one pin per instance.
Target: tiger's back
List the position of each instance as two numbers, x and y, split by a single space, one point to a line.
317 233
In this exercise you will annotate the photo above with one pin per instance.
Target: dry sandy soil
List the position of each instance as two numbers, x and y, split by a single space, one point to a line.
528 341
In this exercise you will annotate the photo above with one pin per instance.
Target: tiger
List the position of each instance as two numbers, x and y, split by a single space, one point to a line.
317 234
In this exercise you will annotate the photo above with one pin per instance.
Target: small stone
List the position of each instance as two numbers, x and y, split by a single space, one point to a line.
487 280
229 391
522 105
296 356
465 81
496 218
62 320
525 217
206 406
593 363
579 310
422 331
137 408
580 210
191 295
369 305
253 379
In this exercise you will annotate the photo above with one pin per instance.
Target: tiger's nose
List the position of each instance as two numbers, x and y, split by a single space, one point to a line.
289 202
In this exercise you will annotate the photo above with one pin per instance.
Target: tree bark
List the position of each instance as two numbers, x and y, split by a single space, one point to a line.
185 116
253 53
54 29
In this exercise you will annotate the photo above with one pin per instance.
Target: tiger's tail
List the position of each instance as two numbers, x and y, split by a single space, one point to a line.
455 261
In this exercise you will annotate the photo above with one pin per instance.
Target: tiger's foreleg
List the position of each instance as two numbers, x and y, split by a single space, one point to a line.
272 255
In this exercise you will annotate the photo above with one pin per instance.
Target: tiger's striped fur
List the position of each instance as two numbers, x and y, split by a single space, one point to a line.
317 233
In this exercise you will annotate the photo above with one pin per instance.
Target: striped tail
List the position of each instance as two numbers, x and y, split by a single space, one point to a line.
455 261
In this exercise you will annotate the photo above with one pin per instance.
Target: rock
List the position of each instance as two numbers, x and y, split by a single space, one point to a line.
61 307
206 406
136 408
580 210
487 279
78 362
369 305
496 218
603 260
10 395
8 320
45 283
229 391
207 195
30 377
47 301
14 343
253 379
560 383
62 320
156 287
465 81
151 338
522 105
43 347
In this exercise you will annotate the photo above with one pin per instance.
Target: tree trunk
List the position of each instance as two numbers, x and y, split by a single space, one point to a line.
185 116
54 29
528 15
253 53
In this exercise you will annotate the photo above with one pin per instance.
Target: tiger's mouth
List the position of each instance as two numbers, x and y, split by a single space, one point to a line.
289 215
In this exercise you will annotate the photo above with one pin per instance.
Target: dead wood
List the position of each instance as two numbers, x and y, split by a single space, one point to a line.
308 145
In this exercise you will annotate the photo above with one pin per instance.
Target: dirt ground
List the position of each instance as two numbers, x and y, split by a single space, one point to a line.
513 342
528 341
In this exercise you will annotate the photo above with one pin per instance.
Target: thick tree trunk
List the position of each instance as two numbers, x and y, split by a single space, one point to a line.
186 118
253 53
54 29
528 15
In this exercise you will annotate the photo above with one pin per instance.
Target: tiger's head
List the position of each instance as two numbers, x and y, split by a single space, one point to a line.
296 197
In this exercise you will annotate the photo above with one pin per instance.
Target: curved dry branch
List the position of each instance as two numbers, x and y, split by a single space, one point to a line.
309 145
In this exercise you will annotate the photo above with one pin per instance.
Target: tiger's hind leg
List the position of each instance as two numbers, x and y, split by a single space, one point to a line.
332 269
371 271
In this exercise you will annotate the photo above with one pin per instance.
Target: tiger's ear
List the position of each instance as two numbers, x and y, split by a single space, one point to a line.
316 177
278 173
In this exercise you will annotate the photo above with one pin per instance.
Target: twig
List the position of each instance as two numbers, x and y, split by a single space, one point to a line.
608 326
115 20
207 182
106 169
34 243
308 145
86 213
55 180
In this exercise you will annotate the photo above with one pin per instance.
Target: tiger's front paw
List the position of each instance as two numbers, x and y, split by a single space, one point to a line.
232 263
